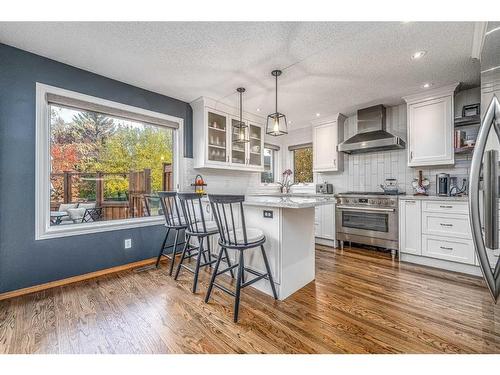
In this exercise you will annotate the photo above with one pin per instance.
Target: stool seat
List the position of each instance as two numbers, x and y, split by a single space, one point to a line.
253 235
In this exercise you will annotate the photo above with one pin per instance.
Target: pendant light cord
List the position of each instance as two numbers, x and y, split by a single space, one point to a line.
276 93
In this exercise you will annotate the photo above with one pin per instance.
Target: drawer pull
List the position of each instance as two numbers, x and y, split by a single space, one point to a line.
445 225
446 248
446 206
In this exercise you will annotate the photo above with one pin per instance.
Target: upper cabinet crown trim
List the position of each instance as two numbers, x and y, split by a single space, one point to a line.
431 94
228 109
329 119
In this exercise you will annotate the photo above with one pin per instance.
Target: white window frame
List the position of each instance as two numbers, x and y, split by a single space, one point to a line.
43 229
276 168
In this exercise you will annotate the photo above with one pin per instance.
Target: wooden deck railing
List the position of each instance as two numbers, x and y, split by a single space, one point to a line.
139 184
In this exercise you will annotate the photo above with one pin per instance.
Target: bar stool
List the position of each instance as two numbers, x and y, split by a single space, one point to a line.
173 221
236 238
197 227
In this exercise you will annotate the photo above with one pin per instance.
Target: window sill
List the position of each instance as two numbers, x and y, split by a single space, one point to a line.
58 231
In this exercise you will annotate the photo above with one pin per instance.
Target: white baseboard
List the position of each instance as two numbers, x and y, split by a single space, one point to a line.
441 264
326 242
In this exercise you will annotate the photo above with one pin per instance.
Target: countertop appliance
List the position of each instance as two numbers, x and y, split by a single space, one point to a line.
372 135
369 218
324 188
443 184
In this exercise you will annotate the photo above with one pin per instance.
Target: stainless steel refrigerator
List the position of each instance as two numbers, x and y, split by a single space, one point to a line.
484 172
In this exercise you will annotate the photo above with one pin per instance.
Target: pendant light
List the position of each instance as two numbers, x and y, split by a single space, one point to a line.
276 122
241 126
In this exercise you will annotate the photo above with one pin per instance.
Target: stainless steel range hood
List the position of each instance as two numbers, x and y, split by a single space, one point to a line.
371 135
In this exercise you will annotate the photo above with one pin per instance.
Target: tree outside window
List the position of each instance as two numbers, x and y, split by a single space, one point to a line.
303 165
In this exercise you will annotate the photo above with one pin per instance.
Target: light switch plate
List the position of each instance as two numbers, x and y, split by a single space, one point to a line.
128 243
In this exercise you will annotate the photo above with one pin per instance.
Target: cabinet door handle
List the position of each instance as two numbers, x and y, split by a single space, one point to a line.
446 248
446 206
335 162
445 225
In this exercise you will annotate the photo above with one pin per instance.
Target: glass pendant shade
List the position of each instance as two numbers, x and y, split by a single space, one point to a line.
276 122
240 127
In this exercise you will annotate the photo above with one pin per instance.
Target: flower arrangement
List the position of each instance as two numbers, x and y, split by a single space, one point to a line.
287 183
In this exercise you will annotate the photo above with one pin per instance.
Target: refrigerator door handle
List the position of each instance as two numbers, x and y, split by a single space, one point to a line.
491 119
490 173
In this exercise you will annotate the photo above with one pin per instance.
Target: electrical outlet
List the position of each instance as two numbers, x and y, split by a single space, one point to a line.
268 214
128 243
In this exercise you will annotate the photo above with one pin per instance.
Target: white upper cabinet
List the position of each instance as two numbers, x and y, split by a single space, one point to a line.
430 127
327 134
214 133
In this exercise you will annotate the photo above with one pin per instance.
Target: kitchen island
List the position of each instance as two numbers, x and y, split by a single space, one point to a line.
288 224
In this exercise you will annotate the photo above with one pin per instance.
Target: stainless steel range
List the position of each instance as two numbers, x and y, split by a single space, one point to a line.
368 218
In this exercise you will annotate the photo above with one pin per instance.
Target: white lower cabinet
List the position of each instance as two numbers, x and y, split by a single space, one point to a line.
455 250
410 233
324 220
437 233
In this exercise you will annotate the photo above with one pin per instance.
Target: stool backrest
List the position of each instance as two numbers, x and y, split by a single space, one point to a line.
193 212
171 209
225 208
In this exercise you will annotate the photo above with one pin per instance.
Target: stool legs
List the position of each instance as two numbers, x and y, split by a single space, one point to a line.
197 267
214 273
174 252
239 281
273 287
161 249
183 255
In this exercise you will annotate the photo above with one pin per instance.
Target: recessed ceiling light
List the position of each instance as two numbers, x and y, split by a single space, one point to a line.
426 85
418 55
318 114
289 122
258 109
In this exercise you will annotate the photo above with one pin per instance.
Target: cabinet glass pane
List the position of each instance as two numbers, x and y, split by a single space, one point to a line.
238 150
255 145
216 137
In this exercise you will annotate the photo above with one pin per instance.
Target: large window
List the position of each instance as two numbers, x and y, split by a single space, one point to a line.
302 163
270 164
105 164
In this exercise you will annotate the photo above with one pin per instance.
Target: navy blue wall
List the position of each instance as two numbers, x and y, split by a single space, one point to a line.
24 261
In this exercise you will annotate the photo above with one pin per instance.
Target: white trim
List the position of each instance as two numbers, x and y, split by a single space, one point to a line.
276 167
478 39
43 230
436 93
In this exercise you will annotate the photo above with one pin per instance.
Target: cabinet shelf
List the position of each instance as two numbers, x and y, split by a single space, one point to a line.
464 150
217 146
217 129
238 150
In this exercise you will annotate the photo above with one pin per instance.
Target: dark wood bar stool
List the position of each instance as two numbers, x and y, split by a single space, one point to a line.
236 238
173 222
200 228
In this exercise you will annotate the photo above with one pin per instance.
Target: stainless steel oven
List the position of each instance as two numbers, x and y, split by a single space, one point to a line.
368 218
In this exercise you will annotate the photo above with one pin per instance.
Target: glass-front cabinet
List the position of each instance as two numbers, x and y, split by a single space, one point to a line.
255 145
215 130
238 149
217 137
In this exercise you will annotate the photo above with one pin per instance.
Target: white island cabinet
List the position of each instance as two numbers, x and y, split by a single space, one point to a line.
430 127
215 128
288 224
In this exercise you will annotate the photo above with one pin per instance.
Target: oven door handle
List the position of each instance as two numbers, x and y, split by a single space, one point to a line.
375 209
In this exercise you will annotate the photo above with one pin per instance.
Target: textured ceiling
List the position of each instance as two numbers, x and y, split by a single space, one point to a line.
332 66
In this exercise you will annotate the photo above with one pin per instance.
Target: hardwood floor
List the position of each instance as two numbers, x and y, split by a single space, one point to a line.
360 302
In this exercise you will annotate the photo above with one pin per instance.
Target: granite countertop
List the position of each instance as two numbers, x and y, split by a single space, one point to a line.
289 200
434 198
